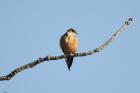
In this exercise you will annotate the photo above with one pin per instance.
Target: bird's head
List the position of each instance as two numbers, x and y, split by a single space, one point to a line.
71 31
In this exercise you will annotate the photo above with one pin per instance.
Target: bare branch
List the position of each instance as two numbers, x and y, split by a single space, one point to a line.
48 58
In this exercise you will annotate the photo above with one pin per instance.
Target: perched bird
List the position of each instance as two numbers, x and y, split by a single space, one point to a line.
68 44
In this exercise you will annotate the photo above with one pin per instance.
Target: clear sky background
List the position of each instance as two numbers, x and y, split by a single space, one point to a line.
30 29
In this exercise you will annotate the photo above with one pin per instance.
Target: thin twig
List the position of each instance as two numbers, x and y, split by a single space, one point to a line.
48 58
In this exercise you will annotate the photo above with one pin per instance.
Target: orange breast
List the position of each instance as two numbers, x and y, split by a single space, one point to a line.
68 44
72 44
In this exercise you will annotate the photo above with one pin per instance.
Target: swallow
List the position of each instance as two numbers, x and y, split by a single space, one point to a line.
68 44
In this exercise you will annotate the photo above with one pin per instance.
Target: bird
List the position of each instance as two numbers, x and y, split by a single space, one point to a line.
69 44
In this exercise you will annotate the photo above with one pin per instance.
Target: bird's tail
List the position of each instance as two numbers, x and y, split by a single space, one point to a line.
69 61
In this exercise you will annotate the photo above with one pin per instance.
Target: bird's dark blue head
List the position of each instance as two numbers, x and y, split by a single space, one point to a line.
71 30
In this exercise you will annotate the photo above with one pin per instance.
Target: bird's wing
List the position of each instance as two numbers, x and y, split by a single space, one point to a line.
63 44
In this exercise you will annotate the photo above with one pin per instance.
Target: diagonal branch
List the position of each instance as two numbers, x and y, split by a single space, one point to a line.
48 58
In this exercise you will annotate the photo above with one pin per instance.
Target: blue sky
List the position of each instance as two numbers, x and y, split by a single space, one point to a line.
30 29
